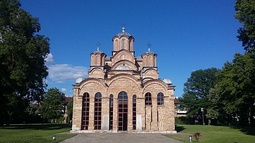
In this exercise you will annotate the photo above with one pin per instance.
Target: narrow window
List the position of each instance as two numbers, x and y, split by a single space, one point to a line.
97 111
134 112
160 98
111 112
123 44
85 111
148 99
116 45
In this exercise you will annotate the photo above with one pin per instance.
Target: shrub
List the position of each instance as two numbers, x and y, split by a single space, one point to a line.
197 136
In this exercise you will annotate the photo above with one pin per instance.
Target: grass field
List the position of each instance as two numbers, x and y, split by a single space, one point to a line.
35 133
43 133
214 134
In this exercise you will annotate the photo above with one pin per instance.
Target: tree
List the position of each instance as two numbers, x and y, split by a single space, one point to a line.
70 109
196 90
245 13
214 111
236 88
22 54
53 104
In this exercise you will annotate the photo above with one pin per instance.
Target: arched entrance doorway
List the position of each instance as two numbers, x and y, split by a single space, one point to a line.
122 111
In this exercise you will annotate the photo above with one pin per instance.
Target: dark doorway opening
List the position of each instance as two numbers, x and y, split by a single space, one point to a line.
122 111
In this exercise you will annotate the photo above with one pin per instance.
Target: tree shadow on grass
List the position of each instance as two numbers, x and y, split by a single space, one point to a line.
249 130
37 126
179 128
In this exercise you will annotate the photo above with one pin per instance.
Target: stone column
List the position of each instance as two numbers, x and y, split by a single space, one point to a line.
115 114
169 121
172 112
130 113
91 113
154 122
77 110
160 118
105 113
148 117
140 113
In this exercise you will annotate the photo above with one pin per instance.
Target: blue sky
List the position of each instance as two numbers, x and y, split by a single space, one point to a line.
187 35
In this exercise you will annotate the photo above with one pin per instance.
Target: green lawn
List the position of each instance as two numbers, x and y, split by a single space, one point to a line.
35 133
214 134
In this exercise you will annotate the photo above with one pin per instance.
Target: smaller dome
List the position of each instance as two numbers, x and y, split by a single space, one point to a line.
108 58
167 81
123 33
78 80
149 51
139 58
97 51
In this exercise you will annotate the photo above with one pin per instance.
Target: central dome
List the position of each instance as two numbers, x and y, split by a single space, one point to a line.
123 40
123 33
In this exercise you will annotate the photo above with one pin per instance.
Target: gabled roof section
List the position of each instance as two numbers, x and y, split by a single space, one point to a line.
155 81
88 80
123 75
126 53
124 65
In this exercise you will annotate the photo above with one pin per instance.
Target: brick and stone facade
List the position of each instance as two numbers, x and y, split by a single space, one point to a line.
123 92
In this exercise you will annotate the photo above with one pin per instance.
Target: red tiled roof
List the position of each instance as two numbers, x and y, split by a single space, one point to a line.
35 105
176 101
67 99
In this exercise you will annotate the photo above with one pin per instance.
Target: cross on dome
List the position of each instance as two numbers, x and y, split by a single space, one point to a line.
149 47
123 29
123 33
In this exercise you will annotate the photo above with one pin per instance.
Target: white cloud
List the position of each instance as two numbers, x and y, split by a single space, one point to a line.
64 72
63 89
49 59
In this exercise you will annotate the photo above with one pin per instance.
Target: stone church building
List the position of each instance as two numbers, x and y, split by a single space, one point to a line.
123 92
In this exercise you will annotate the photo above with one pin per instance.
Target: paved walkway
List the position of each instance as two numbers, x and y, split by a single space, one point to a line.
120 138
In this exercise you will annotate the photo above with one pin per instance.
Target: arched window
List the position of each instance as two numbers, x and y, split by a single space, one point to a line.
148 99
96 60
116 45
122 43
160 98
111 112
150 61
97 111
134 112
122 97
85 111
